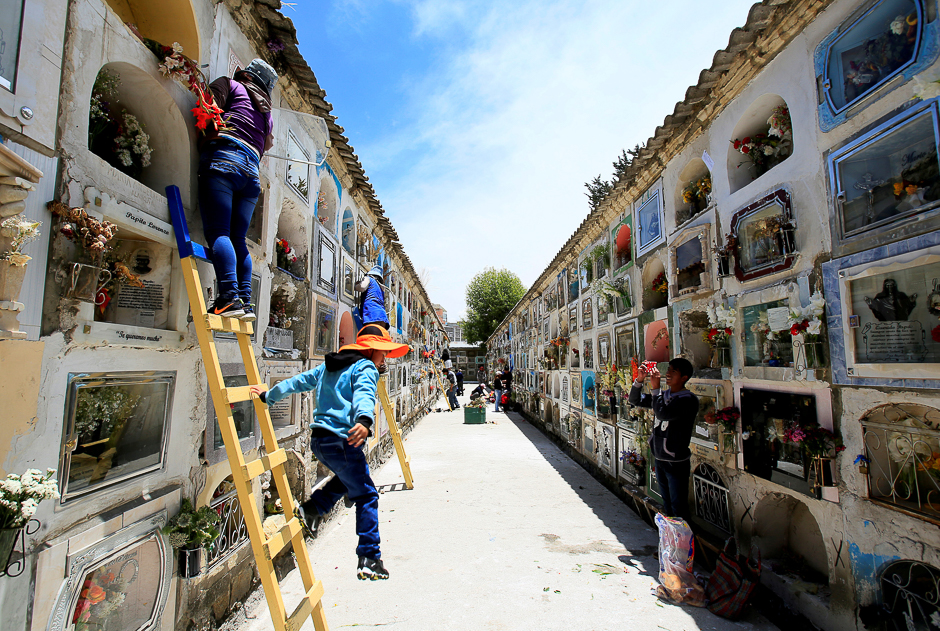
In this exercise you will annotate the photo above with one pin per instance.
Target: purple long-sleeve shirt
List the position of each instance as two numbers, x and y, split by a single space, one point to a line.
246 123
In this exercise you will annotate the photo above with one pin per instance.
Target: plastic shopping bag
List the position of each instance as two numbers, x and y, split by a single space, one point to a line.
676 555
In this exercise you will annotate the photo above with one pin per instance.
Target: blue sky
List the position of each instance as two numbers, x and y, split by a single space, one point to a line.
478 122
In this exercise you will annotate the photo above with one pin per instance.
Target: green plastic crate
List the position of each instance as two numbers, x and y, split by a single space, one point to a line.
472 416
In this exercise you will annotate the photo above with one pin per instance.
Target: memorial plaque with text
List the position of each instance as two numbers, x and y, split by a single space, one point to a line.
897 316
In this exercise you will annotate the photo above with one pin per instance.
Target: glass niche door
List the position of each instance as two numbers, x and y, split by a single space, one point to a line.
888 175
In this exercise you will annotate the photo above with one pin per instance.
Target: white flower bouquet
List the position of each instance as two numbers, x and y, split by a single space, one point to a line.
20 496
20 231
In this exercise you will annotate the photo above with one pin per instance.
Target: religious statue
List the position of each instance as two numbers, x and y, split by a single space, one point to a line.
891 305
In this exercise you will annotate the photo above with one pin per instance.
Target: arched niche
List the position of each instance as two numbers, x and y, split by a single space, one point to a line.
142 96
652 299
347 329
656 341
348 232
589 398
622 245
741 169
547 413
327 203
292 227
166 21
786 532
691 190
556 387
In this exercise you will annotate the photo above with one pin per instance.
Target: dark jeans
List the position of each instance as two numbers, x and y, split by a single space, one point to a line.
226 202
673 480
352 479
452 397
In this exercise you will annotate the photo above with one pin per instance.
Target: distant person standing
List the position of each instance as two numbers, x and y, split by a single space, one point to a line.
498 386
675 409
459 376
481 374
451 388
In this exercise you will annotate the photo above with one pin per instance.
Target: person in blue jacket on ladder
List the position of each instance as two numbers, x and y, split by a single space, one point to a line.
372 302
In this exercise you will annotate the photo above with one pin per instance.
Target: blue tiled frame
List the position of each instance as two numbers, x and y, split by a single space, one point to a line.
832 291
928 49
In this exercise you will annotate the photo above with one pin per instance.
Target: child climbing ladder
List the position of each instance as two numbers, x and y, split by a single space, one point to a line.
346 386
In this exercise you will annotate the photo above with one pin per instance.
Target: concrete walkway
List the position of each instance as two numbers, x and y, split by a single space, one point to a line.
502 531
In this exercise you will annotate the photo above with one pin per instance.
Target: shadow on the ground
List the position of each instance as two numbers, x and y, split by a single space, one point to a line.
643 558
387 488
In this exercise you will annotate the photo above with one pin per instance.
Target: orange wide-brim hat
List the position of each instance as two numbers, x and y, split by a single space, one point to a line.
374 337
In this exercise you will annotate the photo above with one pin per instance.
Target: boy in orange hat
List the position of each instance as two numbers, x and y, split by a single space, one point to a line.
346 385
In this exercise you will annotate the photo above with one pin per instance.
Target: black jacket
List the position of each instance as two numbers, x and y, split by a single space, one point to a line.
675 419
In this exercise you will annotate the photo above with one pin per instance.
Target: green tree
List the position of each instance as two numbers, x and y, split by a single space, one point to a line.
490 296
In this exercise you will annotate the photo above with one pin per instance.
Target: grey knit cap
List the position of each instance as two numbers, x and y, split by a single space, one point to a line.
263 73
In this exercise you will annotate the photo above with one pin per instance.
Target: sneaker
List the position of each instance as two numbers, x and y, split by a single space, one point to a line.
227 307
371 569
348 502
309 517
249 315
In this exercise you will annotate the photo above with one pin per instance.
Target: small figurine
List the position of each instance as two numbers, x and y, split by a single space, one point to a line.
891 305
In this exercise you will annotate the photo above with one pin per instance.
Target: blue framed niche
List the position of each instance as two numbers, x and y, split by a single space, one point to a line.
885 182
880 46
882 311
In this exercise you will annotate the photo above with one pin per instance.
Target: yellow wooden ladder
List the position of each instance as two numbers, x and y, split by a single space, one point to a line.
403 459
291 533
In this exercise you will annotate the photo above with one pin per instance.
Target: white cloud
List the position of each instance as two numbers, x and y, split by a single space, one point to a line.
531 100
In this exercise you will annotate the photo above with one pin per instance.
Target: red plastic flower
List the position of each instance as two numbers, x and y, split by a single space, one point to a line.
728 332
745 149
746 140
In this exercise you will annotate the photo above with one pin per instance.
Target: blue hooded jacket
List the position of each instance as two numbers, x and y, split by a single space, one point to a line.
346 391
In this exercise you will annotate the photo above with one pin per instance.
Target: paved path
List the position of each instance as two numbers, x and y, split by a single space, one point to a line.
502 531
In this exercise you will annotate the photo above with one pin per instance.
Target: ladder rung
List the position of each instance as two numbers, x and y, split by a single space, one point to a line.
265 463
237 394
274 545
228 325
303 610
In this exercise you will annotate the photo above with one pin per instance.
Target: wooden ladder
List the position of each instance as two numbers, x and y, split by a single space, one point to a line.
291 533
403 459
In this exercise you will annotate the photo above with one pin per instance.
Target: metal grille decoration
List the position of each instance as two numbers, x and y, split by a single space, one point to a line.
901 443
16 562
232 531
909 592
711 497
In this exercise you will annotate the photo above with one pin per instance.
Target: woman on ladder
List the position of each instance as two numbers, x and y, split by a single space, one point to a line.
229 185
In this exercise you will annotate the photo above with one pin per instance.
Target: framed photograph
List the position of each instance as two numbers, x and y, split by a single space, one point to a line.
324 331
650 222
587 314
587 354
603 309
573 319
298 173
349 279
626 344
603 350
326 276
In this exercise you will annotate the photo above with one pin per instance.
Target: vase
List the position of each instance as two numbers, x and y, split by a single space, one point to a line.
190 562
8 537
11 280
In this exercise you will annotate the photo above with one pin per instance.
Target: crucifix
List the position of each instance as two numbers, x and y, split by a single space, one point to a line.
868 184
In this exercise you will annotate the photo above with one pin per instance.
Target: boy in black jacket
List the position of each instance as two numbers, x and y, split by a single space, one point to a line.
675 409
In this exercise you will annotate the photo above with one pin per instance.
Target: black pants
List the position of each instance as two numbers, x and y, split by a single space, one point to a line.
673 480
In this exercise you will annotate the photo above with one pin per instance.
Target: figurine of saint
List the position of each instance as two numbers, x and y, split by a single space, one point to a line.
891 305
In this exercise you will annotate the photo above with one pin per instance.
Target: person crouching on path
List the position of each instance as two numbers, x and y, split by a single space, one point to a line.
346 385
675 409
